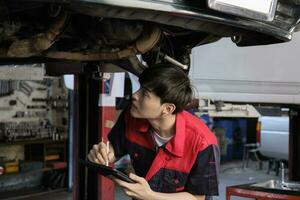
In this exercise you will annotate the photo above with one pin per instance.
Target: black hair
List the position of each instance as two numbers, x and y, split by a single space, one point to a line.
168 82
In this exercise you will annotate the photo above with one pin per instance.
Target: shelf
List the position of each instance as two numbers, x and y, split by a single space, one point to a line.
31 142
29 193
45 169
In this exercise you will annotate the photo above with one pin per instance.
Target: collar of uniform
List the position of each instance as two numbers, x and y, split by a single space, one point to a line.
142 125
176 145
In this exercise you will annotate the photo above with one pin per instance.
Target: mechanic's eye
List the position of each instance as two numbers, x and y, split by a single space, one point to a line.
144 92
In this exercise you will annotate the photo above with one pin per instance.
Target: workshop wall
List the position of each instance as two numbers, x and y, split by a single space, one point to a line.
34 110
33 132
221 71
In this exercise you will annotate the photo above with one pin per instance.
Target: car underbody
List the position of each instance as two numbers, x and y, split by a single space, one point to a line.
99 31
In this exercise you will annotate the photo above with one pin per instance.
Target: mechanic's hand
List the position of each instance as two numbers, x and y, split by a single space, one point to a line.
98 154
139 190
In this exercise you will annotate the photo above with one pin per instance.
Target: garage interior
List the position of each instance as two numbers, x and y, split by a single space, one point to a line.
47 128
68 69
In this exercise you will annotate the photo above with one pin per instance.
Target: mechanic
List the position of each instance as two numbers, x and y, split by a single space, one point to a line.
173 153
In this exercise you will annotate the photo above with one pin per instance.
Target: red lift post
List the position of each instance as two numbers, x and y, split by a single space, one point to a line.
107 119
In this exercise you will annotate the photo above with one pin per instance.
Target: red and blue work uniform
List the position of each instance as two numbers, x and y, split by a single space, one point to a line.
188 162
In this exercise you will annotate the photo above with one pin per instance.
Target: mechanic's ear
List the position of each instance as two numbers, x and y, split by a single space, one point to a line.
168 108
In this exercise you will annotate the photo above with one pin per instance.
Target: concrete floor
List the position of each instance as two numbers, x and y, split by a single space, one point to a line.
233 174
230 174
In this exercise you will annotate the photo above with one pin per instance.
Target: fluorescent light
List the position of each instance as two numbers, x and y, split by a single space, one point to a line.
255 9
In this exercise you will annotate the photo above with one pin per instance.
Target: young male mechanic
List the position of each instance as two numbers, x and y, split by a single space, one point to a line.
173 153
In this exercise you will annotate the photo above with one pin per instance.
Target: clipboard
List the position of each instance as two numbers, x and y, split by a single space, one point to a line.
107 171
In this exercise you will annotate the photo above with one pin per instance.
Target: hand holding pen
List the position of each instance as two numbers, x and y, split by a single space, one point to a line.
106 146
102 153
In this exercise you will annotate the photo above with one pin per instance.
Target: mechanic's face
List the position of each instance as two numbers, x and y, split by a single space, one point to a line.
145 104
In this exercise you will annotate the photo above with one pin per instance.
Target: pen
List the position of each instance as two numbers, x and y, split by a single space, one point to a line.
107 151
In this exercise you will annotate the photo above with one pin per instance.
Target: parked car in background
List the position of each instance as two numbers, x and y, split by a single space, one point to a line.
274 137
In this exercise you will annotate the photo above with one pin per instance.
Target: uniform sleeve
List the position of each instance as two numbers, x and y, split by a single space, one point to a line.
203 178
117 136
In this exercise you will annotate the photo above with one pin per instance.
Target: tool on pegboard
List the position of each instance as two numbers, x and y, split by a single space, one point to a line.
19 100
25 88
6 88
12 102
36 107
